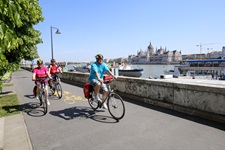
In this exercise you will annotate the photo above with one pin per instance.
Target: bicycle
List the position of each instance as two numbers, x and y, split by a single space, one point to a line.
114 102
56 87
42 93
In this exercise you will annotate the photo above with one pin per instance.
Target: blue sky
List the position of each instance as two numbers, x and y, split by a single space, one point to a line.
118 28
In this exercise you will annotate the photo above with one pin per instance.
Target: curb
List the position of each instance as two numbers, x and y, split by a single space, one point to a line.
15 133
2 122
26 132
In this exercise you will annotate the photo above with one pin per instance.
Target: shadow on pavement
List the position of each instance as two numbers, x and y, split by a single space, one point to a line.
11 109
33 109
31 96
5 93
82 112
196 119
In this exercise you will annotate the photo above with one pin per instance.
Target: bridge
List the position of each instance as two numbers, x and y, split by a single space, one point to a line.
72 124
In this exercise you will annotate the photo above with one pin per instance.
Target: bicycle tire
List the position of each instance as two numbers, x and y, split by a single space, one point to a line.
43 101
51 92
58 89
92 102
35 91
116 106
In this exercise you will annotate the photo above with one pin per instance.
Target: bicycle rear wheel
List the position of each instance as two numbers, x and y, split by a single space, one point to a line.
92 102
43 101
116 106
58 89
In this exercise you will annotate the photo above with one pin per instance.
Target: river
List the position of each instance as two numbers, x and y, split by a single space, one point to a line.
149 70
154 70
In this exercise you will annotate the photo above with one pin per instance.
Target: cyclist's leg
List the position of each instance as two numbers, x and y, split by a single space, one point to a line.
104 91
50 80
46 93
57 78
38 84
96 86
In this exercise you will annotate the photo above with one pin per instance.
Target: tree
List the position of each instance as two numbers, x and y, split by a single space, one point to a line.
18 38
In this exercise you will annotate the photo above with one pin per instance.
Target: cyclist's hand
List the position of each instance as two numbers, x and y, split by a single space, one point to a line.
115 77
100 80
34 79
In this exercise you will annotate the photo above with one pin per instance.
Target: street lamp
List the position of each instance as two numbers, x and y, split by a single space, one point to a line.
57 32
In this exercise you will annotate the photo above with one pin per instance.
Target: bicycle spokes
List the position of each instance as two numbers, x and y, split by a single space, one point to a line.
116 106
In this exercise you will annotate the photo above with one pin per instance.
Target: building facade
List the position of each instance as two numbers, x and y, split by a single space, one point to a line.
155 56
211 55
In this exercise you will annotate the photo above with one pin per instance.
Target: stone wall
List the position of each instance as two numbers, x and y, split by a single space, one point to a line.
185 97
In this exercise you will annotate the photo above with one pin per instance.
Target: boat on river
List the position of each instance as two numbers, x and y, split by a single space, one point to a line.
204 68
130 71
83 69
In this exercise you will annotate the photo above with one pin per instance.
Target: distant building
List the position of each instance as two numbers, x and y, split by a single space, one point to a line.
194 56
157 56
211 55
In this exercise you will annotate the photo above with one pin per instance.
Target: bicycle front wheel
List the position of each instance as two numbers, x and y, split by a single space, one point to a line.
116 106
58 89
43 101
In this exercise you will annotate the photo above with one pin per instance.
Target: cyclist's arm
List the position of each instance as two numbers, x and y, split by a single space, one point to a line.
59 70
33 76
112 74
96 74
49 75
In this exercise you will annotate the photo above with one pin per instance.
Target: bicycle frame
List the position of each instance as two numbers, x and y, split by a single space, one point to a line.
56 87
42 93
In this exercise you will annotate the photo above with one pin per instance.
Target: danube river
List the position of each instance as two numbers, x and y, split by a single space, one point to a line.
154 70
149 70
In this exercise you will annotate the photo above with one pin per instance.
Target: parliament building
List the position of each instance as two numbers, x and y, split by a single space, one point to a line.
156 56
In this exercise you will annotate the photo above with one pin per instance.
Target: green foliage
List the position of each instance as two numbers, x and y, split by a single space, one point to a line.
0 86
18 38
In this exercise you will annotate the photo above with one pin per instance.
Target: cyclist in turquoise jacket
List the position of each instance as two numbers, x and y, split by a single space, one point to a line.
97 71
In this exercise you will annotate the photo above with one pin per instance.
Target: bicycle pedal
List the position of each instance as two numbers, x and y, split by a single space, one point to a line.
100 104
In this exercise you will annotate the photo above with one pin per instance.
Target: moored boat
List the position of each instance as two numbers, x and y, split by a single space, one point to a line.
130 71
84 68
205 69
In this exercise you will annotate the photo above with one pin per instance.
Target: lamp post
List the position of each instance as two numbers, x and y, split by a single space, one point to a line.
57 32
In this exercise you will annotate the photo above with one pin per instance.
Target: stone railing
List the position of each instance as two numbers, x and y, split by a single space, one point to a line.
205 101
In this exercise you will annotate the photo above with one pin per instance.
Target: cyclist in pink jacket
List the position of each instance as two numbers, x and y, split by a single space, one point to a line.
41 72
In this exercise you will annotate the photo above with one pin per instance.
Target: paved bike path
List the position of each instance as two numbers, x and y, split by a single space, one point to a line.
71 124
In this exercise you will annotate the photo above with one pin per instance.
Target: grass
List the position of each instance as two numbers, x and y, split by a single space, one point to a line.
9 105
7 84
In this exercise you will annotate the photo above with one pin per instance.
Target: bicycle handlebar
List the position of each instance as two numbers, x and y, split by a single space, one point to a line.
108 79
40 79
